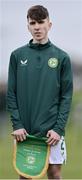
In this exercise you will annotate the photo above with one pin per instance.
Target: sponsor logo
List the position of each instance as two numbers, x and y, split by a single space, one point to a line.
24 62
53 62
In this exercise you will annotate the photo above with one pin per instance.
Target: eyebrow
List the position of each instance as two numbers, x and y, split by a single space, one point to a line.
34 22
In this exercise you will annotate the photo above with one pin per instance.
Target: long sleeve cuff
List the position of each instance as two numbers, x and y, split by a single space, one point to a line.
59 131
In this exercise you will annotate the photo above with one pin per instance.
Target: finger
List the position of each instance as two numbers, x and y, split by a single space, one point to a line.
48 134
49 139
23 136
51 142
25 132
17 137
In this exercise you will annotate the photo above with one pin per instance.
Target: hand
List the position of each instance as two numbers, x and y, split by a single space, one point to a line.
20 134
53 137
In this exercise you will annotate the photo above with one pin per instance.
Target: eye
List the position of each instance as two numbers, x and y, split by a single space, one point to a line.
32 23
41 22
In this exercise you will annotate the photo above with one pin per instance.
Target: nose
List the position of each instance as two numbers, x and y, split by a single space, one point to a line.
37 26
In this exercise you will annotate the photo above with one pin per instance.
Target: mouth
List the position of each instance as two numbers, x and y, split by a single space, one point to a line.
37 33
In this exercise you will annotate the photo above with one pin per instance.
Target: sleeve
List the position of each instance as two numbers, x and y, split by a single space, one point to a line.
12 106
66 91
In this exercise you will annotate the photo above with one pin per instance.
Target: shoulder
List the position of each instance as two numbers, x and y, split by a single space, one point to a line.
60 52
20 50
18 53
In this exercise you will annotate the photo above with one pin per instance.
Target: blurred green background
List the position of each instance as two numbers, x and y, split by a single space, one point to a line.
73 167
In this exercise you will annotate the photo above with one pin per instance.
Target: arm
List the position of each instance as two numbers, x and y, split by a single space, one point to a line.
66 89
12 106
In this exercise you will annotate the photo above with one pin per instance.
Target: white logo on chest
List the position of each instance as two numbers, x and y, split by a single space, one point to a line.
24 62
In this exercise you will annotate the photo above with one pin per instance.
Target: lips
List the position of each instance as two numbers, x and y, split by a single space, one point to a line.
37 33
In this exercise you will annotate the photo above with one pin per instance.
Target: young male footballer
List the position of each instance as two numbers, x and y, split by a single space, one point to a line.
40 89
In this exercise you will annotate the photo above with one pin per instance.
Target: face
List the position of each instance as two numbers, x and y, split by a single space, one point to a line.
39 30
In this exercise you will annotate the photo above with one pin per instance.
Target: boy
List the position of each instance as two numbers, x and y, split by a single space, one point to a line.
40 89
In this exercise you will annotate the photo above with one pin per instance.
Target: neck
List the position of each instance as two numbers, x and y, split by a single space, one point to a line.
42 41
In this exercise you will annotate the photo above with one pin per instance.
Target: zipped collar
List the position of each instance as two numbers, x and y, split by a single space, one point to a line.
39 46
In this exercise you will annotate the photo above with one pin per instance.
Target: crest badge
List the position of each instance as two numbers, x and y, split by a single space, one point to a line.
53 62
30 160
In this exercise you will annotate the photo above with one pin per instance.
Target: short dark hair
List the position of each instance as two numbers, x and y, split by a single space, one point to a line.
37 13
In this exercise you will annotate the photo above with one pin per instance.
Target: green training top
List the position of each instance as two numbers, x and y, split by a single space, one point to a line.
39 88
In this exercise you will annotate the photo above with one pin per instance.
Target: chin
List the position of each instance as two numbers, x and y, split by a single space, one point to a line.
39 39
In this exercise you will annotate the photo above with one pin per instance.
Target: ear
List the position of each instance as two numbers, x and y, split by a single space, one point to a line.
50 25
28 26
